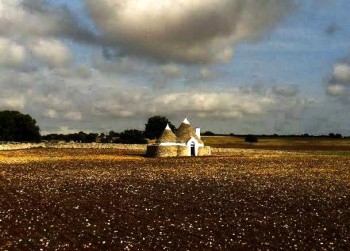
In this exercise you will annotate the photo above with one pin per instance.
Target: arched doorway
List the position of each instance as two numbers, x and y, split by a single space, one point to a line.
193 149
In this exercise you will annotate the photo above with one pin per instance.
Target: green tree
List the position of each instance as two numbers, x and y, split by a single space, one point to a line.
18 127
335 136
112 137
91 137
155 126
132 136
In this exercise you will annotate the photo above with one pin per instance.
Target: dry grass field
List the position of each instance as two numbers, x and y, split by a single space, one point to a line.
281 143
109 199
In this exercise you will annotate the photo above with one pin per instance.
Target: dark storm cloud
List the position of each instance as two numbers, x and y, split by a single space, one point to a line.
33 18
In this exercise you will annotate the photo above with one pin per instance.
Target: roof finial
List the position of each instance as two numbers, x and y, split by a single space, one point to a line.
167 127
186 121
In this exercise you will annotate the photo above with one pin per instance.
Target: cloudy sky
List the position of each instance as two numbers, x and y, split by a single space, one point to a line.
240 66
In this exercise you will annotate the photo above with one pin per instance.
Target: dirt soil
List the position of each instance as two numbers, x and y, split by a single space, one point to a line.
109 199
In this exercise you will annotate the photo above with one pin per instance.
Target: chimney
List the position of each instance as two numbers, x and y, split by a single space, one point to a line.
198 132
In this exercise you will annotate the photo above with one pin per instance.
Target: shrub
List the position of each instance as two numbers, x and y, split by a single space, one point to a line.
208 133
251 139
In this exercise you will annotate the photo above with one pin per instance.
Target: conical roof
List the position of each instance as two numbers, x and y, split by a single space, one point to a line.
167 136
185 132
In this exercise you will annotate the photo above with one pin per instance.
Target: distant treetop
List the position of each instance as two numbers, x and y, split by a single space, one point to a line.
208 133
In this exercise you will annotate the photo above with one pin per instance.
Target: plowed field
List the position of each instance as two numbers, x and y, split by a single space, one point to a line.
73 199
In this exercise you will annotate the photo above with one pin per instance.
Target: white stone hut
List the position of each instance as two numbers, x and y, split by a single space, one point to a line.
186 142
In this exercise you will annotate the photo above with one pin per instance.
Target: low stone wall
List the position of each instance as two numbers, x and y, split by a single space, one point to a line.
182 151
174 151
152 150
204 151
98 146
161 151
20 146
232 150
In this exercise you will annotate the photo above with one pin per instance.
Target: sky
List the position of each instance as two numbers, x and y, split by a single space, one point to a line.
230 66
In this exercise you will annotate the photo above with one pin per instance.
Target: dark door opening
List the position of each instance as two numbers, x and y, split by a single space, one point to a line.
193 150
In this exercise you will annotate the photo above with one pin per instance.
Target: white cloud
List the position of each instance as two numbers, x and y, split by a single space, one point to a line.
51 52
171 70
339 82
32 31
12 103
206 74
55 101
124 86
73 115
198 31
65 130
336 90
11 53
123 65
78 72
285 91
232 104
341 73
81 104
50 113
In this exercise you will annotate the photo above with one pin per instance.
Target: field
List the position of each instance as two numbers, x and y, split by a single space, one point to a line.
281 143
110 199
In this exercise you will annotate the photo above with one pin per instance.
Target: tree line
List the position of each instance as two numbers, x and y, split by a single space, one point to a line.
153 129
18 127
131 136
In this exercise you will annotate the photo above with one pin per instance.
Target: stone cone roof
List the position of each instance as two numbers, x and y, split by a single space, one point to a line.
185 132
167 136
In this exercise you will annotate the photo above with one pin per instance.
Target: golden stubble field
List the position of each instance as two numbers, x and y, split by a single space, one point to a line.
281 143
73 199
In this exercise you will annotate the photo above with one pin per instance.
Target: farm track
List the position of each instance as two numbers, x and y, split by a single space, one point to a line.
110 199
